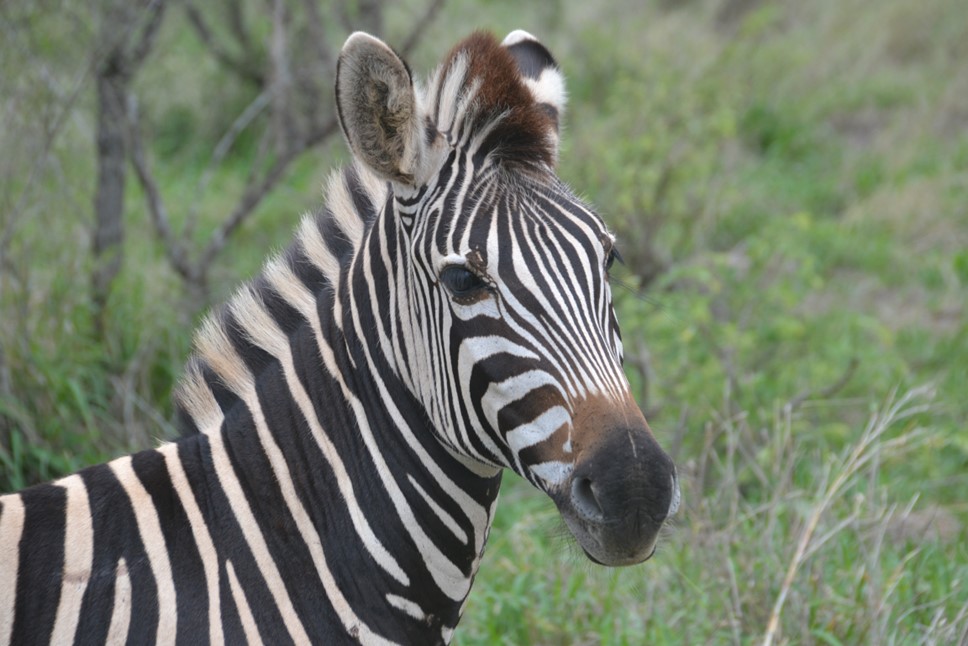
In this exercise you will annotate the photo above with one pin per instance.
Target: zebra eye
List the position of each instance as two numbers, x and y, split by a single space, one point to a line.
461 281
613 255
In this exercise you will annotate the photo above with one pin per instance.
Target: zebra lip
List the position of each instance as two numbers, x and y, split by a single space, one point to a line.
631 561
608 551
592 558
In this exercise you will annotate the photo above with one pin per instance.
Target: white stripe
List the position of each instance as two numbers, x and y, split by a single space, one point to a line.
517 36
121 614
581 322
469 354
449 91
315 247
482 347
501 393
596 349
444 517
496 248
242 605
538 430
11 527
319 254
553 473
407 606
376 188
203 540
558 348
255 540
78 559
149 527
549 88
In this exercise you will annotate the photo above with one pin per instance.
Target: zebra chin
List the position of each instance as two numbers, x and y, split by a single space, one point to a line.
618 496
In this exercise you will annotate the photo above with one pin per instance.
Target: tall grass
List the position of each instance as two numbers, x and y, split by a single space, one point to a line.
808 547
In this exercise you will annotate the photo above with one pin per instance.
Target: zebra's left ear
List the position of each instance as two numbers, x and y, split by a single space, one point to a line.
377 107
540 73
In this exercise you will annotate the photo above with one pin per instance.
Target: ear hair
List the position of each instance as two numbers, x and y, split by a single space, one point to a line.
377 108
539 71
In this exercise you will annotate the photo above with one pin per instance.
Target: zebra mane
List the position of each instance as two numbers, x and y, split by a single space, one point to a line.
503 99
324 244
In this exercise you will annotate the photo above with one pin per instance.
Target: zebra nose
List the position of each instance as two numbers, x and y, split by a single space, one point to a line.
617 483
585 501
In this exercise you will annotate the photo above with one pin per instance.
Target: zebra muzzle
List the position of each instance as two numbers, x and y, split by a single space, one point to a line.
622 489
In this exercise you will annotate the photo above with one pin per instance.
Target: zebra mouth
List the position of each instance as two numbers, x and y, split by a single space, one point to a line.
614 544
594 560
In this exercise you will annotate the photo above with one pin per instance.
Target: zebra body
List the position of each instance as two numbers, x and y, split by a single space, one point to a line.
348 413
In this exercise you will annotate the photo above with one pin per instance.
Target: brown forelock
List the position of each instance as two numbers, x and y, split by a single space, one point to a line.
597 415
523 134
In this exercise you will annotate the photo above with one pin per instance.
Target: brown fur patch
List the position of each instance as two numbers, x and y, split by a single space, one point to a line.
595 416
525 132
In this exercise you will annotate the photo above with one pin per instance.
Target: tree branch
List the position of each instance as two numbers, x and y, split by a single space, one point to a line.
254 195
283 117
174 251
291 84
242 66
155 13
234 10
420 26
243 121
317 35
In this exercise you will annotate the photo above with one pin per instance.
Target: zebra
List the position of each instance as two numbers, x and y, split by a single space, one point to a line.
348 413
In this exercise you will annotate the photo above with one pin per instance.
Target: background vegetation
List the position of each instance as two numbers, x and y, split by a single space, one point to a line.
789 182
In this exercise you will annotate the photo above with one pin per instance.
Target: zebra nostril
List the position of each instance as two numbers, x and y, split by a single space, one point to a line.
584 500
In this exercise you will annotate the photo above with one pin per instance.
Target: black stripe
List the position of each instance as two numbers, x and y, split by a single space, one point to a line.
256 359
305 269
287 549
187 569
40 571
333 235
363 206
115 537
232 631
224 528
286 317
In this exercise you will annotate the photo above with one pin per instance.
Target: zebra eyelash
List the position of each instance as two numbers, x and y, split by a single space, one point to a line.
613 256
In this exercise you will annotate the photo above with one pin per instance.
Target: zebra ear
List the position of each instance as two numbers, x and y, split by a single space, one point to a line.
540 72
377 108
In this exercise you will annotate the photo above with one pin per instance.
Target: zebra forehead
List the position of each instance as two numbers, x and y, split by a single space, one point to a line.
506 196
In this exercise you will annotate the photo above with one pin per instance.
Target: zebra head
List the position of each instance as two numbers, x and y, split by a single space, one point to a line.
486 280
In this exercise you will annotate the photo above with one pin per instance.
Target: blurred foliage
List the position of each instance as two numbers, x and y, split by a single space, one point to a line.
789 184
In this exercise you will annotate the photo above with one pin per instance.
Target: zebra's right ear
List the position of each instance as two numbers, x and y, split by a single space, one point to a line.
377 108
541 74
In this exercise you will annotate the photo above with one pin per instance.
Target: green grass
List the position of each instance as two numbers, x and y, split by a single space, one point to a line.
870 572
788 183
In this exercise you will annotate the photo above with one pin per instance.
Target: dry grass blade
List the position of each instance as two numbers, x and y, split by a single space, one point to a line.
866 449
